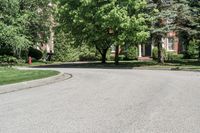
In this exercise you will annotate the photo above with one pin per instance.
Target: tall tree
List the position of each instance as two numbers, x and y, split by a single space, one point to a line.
104 23
162 13
20 23
195 26
171 16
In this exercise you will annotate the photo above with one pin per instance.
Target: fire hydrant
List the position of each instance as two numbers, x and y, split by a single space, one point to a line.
29 60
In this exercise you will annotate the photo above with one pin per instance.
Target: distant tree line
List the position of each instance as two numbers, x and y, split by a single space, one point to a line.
95 25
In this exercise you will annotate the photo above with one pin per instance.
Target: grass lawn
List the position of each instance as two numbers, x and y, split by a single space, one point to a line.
11 75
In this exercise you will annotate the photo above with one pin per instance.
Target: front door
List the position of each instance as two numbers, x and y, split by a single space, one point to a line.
148 50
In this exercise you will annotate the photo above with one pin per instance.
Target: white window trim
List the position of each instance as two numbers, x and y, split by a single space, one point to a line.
113 48
168 45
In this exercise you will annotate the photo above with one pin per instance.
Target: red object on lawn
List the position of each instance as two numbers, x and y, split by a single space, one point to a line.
29 60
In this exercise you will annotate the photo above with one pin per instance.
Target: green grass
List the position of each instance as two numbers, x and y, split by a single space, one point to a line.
11 75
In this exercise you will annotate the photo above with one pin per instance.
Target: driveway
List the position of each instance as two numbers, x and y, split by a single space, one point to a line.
106 101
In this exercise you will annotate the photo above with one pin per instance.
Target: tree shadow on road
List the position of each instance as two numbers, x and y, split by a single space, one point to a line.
98 65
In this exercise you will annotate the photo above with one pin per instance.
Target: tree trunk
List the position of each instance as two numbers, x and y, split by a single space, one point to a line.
117 55
160 52
186 55
103 53
103 58
199 51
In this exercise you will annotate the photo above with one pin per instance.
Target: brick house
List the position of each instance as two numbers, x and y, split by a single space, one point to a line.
171 43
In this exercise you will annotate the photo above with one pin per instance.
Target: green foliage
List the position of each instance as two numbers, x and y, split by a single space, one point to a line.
35 53
88 54
155 53
132 53
173 17
10 60
193 49
168 56
101 24
65 53
64 50
172 56
88 57
21 22
6 50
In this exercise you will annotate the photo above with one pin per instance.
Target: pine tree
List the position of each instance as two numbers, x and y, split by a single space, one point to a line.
171 15
195 21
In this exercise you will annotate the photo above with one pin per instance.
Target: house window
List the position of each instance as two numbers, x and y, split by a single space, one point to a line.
170 43
112 48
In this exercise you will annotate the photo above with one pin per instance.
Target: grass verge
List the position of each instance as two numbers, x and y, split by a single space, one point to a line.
11 75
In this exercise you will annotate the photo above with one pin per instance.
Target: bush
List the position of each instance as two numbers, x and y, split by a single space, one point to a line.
165 54
193 49
8 60
64 47
88 54
35 53
155 53
132 53
88 57
6 50
65 52
171 56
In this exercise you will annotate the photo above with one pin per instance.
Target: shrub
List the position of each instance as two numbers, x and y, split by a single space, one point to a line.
193 49
6 50
88 57
35 53
5 59
132 53
170 56
155 53
64 47
65 52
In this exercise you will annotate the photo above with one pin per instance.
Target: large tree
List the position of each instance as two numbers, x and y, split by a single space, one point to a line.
104 23
171 16
21 21
195 20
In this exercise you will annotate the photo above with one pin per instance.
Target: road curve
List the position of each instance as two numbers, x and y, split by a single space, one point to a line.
106 101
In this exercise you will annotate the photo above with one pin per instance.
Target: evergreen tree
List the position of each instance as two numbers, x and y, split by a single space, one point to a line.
171 15
195 25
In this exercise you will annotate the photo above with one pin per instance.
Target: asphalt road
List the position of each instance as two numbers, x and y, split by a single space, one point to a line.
106 101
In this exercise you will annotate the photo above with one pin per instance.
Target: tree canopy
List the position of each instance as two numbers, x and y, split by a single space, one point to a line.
104 23
21 21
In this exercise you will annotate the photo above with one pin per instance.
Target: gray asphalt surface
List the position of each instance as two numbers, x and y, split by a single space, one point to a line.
106 101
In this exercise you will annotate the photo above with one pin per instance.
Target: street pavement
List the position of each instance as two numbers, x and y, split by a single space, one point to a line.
106 101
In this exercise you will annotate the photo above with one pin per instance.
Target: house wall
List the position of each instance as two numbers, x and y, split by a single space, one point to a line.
176 45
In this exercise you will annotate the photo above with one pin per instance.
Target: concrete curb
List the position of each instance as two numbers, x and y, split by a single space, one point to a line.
34 83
